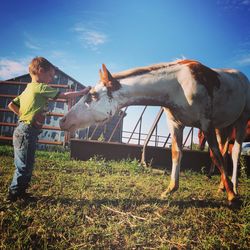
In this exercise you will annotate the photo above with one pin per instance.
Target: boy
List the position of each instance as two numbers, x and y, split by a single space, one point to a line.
30 106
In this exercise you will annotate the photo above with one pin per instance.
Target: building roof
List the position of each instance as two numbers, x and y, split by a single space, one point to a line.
26 77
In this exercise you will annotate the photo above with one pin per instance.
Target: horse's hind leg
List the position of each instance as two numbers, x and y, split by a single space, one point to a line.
221 185
219 162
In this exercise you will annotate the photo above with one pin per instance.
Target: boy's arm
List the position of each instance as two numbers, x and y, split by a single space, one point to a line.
14 108
69 95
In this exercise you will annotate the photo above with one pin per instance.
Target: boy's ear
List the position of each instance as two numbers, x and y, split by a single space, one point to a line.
41 70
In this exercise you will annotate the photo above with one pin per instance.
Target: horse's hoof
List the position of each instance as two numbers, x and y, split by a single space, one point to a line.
220 190
171 189
164 195
235 203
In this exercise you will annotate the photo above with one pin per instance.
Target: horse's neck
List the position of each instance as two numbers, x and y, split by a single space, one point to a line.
148 89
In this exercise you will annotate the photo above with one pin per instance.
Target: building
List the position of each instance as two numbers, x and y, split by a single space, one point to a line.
51 133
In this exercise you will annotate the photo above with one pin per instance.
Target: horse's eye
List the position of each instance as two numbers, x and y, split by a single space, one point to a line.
88 98
94 96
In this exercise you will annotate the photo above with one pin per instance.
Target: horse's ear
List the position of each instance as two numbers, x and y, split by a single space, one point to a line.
106 75
101 75
108 80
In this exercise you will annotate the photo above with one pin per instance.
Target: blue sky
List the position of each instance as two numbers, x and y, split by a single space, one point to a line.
79 35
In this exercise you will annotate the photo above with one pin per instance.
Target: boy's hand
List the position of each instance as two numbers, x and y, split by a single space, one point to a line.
86 90
14 108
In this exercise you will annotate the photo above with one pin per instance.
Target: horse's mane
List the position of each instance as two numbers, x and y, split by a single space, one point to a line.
144 70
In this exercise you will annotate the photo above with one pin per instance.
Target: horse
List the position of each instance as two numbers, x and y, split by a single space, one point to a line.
191 94
226 137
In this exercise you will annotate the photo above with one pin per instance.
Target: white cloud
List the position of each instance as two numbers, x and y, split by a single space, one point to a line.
31 45
94 38
244 60
242 53
245 2
234 4
12 68
57 54
31 42
90 38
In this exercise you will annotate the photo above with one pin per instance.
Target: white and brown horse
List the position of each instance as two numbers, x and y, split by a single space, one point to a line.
192 95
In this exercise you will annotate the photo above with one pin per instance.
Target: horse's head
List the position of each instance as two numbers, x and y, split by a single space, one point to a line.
96 107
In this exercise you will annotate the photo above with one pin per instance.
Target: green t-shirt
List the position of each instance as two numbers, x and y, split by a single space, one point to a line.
33 102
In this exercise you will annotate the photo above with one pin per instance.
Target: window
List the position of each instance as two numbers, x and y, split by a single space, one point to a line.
60 105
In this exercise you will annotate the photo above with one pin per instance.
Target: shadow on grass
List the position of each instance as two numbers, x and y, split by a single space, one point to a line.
128 203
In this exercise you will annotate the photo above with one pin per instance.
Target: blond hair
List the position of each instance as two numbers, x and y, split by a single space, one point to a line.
38 63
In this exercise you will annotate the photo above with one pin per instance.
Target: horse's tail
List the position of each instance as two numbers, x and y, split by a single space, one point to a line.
248 97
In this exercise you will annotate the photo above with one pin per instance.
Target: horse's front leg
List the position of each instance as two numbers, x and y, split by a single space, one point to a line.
240 129
235 158
177 135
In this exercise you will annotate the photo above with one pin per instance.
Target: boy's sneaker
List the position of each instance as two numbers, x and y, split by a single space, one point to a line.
12 197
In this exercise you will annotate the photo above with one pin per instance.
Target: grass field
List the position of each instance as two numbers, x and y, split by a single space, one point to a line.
116 205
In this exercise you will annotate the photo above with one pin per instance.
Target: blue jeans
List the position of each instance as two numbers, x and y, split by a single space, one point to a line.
24 141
